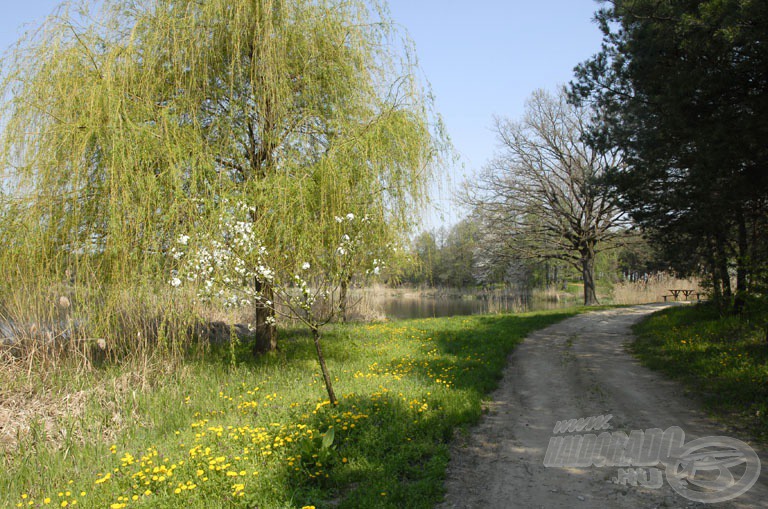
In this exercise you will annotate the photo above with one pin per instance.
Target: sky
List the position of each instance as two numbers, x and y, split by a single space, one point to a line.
482 58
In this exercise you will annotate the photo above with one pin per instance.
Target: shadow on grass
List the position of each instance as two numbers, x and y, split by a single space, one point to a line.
721 359
473 351
394 457
397 456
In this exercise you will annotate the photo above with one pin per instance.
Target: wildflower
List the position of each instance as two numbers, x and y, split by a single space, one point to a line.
103 479
183 239
305 266
175 282
350 216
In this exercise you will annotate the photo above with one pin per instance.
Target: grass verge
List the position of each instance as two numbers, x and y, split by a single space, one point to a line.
231 431
723 360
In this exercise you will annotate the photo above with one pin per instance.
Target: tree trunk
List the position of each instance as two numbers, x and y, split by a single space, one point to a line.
722 263
264 317
588 274
343 299
323 367
742 261
717 293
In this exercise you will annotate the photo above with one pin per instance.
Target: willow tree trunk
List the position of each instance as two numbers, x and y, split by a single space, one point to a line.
588 275
264 317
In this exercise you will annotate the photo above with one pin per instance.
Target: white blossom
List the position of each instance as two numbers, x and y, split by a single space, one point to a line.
350 216
175 282
305 266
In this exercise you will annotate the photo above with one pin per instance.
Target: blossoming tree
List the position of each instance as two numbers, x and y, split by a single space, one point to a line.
224 265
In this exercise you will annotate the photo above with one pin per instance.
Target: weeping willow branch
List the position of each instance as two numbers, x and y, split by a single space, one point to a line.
130 123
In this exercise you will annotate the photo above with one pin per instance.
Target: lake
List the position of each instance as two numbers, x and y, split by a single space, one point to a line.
429 307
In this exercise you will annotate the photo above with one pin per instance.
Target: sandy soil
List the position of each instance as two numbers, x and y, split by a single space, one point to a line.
576 368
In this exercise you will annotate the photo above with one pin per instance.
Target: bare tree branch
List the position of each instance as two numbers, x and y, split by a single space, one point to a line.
542 195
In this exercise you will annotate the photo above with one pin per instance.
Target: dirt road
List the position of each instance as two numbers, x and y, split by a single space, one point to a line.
577 368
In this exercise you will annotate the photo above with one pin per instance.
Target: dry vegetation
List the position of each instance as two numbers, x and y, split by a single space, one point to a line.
653 289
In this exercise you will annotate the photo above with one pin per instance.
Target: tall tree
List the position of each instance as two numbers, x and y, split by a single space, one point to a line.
457 256
682 87
542 196
131 122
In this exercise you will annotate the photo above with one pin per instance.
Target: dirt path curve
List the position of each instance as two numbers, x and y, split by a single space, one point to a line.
576 368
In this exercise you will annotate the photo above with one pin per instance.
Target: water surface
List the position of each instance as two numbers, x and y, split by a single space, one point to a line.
432 307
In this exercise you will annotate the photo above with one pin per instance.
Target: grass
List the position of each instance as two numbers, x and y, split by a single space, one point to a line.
721 360
230 431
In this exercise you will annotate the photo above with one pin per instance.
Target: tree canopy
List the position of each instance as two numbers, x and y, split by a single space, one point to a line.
129 123
682 87
542 196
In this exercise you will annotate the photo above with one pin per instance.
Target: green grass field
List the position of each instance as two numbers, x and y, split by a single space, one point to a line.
230 431
722 360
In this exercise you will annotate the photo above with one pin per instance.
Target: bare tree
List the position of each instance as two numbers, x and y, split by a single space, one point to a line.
543 196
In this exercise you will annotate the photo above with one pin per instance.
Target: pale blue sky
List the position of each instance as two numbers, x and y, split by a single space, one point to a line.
482 57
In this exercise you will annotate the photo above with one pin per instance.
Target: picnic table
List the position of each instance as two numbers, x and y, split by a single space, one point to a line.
686 292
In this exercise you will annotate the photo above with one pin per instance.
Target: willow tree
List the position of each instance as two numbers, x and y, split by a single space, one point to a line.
131 122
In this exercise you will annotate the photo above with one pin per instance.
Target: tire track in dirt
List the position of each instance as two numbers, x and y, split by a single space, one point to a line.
576 368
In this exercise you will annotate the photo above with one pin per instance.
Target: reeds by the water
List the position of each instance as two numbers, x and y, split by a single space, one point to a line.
652 289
